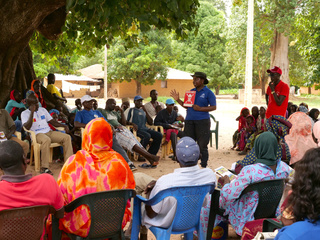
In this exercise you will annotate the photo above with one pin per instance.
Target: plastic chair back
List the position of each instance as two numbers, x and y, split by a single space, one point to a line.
24 223
187 217
107 210
215 131
270 193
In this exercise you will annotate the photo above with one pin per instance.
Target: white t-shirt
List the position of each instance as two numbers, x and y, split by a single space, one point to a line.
187 176
40 120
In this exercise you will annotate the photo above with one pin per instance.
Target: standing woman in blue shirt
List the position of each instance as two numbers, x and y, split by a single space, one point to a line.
197 123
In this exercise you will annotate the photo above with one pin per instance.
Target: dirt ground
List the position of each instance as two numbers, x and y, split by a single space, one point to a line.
226 113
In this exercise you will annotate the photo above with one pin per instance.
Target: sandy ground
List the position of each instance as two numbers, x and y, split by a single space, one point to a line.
227 111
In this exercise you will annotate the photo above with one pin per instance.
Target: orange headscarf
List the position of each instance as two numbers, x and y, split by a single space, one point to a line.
41 100
95 168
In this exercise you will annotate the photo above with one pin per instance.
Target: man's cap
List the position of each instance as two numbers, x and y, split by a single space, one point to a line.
125 99
86 98
169 101
187 151
201 75
275 69
138 97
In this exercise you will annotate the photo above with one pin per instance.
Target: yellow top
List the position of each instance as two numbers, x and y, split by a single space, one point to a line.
53 90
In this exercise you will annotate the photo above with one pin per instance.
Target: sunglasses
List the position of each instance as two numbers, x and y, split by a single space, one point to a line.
272 74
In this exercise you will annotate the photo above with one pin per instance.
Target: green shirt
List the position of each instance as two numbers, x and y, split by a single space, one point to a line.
113 117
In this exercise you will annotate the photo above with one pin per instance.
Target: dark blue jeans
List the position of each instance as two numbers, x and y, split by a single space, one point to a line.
145 136
199 130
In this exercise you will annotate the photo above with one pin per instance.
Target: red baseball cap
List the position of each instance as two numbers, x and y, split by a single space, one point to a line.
275 69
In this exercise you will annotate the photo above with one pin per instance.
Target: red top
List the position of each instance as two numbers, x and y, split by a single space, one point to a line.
273 109
26 191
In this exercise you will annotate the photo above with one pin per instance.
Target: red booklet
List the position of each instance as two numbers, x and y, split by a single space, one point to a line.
189 98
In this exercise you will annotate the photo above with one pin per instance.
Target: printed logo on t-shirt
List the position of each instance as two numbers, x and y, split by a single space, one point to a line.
203 95
34 120
43 117
95 115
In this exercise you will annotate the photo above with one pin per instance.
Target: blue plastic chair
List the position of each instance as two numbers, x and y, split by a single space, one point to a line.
187 218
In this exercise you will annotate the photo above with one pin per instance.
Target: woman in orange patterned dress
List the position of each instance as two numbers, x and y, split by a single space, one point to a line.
95 168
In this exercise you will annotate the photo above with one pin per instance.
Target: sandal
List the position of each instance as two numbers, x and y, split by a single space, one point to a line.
46 170
147 166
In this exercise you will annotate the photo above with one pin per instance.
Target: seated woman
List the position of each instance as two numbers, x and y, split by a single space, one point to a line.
279 126
95 168
299 138
242 123
36 88
15 105
267 167
305 199
245 134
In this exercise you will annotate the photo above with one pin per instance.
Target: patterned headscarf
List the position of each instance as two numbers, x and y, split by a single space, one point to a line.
300 138
95 168
279 126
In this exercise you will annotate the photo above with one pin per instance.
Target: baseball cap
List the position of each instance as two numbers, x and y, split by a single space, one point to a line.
201 75
138 97
169 101
86 98
187 151
275 69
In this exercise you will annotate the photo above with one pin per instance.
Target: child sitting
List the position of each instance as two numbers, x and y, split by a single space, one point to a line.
245 133
242 123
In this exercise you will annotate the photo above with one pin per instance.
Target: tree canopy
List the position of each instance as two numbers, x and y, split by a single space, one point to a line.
81 25
143 63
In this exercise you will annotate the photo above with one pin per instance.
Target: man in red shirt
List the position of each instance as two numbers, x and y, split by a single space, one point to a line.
277 95
22 190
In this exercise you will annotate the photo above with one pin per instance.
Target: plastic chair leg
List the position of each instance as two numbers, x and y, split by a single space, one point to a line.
217 137
36 152
188 236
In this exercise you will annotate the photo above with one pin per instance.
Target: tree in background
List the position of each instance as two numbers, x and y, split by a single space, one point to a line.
273 38
143 63
85 24
206 50
236 48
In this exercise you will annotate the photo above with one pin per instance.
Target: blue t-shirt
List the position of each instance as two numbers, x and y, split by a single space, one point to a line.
85 116
204 98
300 230
138 117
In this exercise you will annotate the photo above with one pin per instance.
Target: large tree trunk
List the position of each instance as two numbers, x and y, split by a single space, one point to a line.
279 55
138 89
20 19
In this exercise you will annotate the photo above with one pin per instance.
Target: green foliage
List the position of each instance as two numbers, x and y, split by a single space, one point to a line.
307 41
229 91
44 64
93 24
144 62
206 51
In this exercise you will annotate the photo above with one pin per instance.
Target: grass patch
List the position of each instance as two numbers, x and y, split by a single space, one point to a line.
228 91
313 101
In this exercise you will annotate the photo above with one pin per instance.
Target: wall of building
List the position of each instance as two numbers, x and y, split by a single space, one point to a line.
128 89
304 90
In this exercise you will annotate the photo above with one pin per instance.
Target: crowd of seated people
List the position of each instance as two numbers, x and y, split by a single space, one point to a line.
270 146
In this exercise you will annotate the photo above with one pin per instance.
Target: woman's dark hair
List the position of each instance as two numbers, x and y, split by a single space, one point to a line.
305 196
312 113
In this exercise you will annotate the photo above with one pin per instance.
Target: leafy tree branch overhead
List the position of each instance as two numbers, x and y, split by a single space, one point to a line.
83 24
